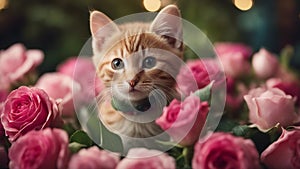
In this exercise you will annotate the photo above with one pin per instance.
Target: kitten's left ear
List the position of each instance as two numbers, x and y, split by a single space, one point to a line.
168 25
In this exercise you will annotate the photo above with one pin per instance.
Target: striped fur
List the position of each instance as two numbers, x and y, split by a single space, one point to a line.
132 42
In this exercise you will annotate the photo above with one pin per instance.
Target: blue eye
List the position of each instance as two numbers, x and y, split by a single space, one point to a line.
149 62
117 64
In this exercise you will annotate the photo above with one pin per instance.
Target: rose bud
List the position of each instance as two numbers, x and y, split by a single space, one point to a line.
265 64
267 107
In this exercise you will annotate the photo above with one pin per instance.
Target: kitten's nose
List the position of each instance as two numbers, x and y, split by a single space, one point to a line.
132 83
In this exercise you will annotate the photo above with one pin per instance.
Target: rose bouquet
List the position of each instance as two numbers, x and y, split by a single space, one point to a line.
258 129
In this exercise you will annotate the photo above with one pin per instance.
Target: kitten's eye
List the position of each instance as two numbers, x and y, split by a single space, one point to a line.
149 62
117 64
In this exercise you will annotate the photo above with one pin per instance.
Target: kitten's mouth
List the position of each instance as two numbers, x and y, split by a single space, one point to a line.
131 107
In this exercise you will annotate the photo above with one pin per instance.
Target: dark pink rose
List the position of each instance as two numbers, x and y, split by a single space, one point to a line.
223 150
223 48
285 152
267 107
60 87
45 149
28 109
289 87
198 74
83 71
138 158
265 64
184 121
16 62
235 94
93 158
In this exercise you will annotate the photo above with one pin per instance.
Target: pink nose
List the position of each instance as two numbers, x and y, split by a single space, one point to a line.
132 83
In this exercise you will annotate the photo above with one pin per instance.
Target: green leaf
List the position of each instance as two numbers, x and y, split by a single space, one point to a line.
75 147
226 125
205 93
81 137
242 130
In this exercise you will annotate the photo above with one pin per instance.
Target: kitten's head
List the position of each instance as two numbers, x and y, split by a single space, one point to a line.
133 59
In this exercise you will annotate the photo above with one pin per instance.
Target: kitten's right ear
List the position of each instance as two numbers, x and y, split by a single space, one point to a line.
101 27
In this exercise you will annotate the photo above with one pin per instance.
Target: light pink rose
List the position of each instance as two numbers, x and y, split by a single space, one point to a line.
59 86
28 109
83 71
265 64
45 149
223 150
138 158
234 58
184 121
95 158
270 106
285 152
289 87
223 48
198 74
16 62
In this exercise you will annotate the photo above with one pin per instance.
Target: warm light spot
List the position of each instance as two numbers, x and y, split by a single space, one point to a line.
152 5
3 4
243 5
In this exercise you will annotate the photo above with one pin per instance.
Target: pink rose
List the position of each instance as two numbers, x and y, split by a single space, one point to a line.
60 86
289 87
265 64
201 72
83 71
270 106
234 58
138 158
223 48
93 158
285 152
45 149
184 121
16 62
223 150
28 109
235 94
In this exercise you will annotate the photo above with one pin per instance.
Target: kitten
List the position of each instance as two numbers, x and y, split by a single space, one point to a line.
134 61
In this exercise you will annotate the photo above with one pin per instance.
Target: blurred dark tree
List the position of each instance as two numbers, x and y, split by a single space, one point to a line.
61 27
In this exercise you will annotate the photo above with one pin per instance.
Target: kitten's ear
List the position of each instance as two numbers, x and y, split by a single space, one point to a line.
168 25
101 27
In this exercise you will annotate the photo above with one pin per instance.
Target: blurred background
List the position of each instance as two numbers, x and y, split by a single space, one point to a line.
61 27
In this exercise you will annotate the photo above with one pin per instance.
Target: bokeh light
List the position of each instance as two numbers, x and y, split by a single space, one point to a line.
243 5
3 4
152 5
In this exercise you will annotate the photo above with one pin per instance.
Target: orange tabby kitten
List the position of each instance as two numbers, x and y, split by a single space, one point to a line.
134 60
